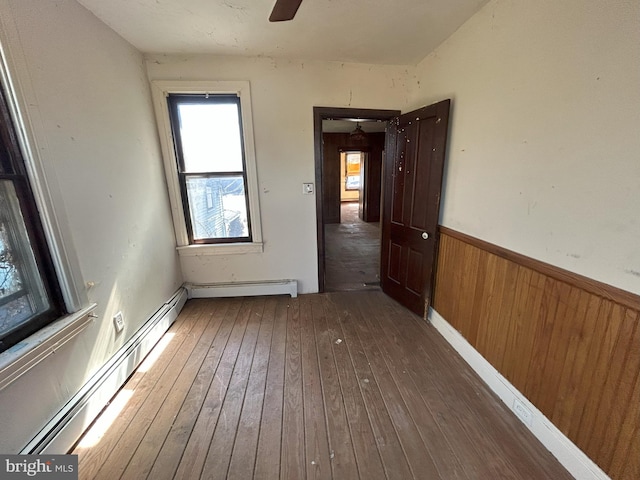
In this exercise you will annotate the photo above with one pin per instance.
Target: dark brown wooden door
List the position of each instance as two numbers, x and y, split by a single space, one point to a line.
413 170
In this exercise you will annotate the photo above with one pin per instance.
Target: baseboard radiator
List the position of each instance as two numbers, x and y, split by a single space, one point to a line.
243 289
66 427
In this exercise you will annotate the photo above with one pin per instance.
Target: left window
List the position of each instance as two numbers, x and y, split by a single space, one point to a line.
30 296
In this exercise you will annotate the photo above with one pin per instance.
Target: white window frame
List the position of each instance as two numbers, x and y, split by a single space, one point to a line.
160 90
24 111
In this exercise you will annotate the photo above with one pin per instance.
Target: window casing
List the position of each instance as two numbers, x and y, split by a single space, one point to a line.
30 296
196 187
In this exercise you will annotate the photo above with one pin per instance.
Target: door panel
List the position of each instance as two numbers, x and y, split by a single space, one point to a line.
415 267
421 193
398 164
395 262
413 170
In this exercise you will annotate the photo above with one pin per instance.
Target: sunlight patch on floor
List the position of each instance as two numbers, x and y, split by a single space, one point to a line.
148 362
93 436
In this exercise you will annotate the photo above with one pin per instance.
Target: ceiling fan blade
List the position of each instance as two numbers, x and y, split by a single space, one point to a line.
284 10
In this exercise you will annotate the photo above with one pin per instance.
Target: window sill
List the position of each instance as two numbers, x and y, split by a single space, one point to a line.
220 249
26 354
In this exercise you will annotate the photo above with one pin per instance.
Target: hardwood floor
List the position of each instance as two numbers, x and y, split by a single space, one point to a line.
340 385
352 252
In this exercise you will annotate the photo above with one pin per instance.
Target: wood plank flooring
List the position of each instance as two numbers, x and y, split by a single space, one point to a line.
341 385
352 252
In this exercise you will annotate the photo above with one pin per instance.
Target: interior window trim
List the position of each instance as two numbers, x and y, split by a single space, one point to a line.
160 91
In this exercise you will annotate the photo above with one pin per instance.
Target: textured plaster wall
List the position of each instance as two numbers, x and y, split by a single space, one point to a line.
544 153
283 94
85 94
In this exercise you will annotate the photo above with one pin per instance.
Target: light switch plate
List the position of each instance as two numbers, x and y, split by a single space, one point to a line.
307 188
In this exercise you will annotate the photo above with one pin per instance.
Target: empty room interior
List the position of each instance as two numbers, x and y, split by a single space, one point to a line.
362 239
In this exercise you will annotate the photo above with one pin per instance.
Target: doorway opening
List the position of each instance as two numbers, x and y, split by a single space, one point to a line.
348 231
352 245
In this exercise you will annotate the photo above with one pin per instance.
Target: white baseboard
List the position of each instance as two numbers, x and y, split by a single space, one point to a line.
243 289
567 453
64 429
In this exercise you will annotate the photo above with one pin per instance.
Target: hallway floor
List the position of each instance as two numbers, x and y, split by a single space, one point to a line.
352 252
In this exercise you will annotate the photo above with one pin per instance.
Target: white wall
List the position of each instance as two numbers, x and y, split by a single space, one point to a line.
283 95
85 93
544 154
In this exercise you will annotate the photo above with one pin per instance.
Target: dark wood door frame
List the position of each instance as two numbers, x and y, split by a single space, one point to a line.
334 113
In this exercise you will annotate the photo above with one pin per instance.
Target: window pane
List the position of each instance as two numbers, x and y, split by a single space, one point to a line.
353 182
352 166
353 163
211 140
218 207
22 295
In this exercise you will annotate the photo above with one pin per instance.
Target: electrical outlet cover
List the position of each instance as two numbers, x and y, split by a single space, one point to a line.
118 322
522 412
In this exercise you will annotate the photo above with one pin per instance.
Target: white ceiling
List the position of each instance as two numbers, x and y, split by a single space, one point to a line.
395 32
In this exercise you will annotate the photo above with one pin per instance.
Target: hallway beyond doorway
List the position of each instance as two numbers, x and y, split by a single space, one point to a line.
352 252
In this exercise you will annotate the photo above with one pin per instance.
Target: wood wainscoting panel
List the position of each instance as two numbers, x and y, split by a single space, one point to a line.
570 344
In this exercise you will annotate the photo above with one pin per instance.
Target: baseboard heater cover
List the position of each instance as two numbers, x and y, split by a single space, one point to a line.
243 289
66 427
568 454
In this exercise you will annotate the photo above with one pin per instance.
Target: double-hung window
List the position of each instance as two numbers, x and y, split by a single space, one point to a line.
29 292
353 162
207 132
210 165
